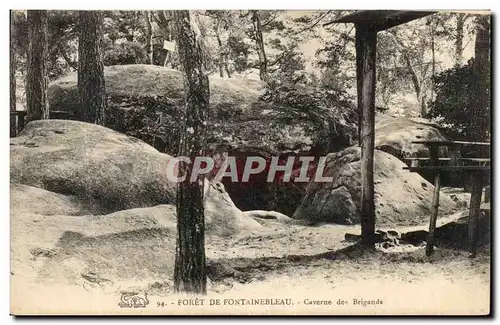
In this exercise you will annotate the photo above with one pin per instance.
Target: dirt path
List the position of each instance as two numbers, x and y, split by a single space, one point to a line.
303 266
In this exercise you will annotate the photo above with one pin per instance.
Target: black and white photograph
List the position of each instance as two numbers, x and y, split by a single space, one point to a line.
250 162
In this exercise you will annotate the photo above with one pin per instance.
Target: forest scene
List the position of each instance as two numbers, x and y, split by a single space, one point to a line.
392 107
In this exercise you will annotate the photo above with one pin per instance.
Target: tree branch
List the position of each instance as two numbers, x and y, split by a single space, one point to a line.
417 84
68 36
270 20
315 23
66 58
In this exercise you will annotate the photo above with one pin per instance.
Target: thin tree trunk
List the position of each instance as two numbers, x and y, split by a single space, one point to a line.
226 66
91 85
66 58
433 68
36 77
417 85
190 264
167 59
149 36
13 65
259 40
221 54
459 39
479 120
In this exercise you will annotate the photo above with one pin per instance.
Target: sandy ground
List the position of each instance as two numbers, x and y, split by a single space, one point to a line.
312 269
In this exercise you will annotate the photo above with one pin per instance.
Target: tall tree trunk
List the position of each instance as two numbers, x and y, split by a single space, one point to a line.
226 66
190 265
433 68
479 118
36 76
417 85
259 40
422 102
221 54
459 38
13 65
91 85
149 36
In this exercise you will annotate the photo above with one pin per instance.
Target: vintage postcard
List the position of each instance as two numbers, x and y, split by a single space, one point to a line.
250 162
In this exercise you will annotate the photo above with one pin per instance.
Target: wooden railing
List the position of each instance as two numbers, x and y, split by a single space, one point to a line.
458 161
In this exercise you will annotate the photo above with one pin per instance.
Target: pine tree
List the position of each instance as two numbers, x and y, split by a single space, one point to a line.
12 52
91 85
259 40
36 77
190 268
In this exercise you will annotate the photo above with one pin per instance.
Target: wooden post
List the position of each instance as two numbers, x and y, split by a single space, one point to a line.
475 211
20 121
435 202
13 125
487 194
366 45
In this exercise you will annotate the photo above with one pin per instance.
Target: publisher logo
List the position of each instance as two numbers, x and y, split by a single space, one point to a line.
133 300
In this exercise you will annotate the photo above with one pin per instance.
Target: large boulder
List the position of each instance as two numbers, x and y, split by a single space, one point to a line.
222 217
30 199
111 170
55 239
61 237
128 244
144 101
70 167
394 135
401 197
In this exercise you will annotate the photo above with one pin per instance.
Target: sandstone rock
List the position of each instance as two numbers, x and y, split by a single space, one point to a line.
415 238
270 215
394 135
29 199
106 169
396 192
144 101
75 168
222 217
125 244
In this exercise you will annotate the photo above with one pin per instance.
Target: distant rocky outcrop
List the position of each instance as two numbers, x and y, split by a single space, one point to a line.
394 135
401 197
145 101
